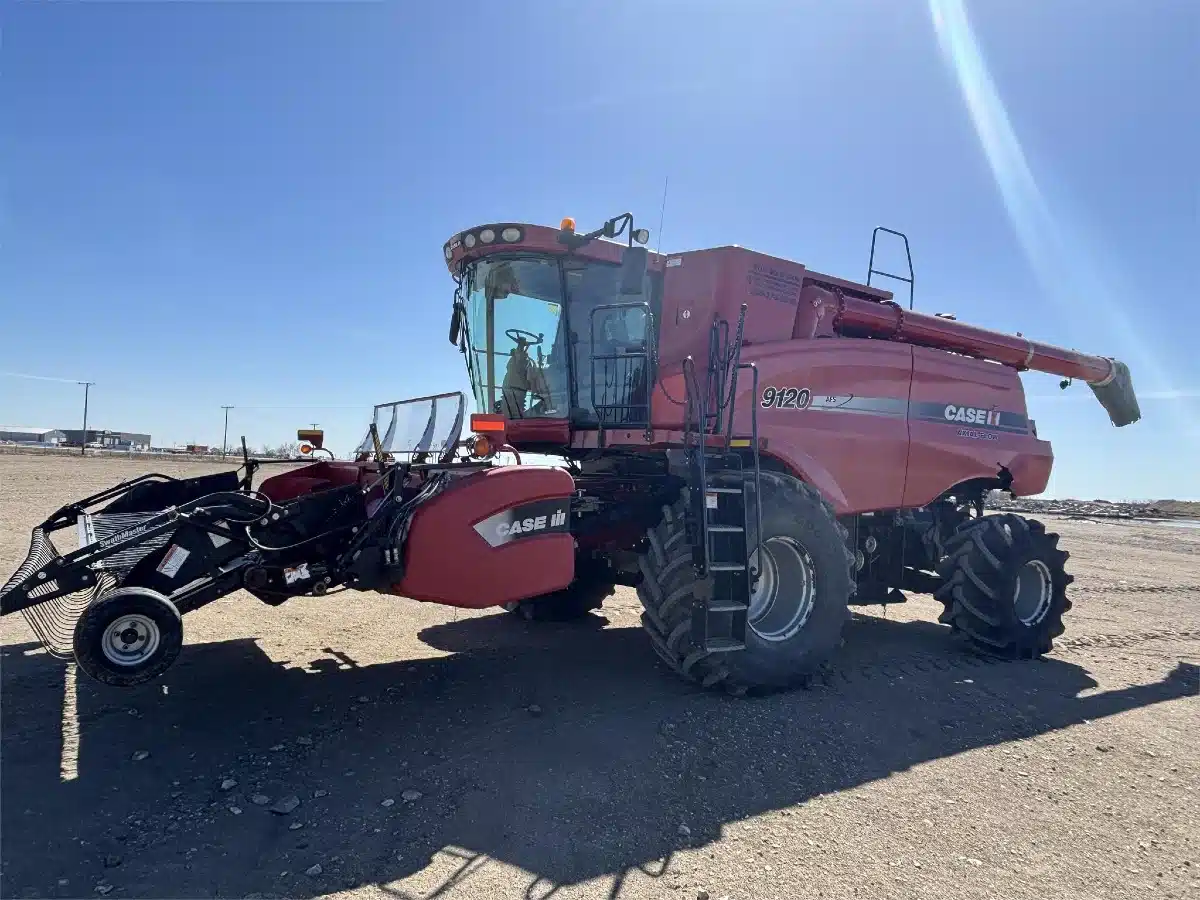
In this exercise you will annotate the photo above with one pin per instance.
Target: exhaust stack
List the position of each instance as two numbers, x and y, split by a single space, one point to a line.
1108 378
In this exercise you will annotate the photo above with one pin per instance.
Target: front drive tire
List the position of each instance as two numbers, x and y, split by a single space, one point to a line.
1005 586
800 607
128 637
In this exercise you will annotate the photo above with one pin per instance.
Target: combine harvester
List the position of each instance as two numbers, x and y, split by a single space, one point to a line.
753 445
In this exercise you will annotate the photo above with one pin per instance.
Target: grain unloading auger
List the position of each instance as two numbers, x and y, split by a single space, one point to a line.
1108 378
753 445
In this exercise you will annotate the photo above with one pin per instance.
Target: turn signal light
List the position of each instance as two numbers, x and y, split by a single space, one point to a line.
481 446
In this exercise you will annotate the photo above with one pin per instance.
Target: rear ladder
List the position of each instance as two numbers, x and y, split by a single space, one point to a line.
720 488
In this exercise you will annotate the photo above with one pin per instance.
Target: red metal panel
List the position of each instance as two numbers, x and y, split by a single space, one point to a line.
968 418
449 562
318 476
851 440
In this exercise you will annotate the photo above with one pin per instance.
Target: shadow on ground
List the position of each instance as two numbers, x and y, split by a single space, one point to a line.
596 779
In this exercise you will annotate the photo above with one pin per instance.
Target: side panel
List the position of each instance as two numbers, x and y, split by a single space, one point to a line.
968 418
834 410
494 536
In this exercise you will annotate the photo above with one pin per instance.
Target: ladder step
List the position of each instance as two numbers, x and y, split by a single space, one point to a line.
726 529
727 607
723 490
727 567
723 645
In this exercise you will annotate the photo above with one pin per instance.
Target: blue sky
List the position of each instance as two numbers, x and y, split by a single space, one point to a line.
208 204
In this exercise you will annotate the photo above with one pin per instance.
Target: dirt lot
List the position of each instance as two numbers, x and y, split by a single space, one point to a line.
473 756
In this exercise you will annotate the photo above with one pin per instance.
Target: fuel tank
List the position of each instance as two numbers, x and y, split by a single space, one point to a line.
491 537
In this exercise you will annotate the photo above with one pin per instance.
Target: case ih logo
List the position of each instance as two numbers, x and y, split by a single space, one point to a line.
972 415
527 520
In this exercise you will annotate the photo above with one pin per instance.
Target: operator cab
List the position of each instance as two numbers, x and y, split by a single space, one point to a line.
558 327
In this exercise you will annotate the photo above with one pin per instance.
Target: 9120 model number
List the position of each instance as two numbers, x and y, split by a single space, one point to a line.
785 398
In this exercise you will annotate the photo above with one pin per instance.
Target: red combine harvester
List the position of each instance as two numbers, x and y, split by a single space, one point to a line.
753 445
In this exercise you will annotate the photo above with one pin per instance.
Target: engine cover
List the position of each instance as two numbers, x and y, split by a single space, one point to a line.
491 537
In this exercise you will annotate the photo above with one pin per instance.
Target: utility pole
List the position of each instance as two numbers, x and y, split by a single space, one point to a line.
87 386
225 436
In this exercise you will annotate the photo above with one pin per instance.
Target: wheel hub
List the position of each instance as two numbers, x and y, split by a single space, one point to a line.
785 590
1033 592
130 639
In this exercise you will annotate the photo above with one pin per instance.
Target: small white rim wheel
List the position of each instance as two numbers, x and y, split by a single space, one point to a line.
130 640
128 636
1033 592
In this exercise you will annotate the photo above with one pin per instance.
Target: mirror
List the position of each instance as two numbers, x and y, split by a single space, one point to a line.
633 269
455 323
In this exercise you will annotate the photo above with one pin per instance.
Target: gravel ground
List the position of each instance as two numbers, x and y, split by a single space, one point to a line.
363 747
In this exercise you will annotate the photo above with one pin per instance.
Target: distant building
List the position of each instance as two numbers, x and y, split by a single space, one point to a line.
23 434
109 440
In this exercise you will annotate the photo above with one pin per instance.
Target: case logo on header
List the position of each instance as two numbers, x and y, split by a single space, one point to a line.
524 526
527 520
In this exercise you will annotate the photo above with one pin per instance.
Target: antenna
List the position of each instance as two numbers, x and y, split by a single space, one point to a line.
662 213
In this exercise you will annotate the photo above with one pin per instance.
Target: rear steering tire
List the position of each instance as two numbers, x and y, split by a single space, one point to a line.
798 607
1005 586
128 637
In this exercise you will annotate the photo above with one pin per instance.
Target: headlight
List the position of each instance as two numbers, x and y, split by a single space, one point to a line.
487 235
469 241
510 235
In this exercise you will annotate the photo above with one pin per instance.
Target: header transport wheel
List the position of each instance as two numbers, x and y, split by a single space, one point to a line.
798 606
128 637
1005 586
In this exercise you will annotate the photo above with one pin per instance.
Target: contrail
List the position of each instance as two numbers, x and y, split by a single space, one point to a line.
38 377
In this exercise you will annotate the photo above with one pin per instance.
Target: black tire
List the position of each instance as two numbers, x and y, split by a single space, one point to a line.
572 602
1004 586
153 614
792 511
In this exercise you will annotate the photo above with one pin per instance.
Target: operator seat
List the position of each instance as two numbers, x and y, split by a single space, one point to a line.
521 377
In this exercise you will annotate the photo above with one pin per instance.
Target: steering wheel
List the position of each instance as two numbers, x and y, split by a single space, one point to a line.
517 335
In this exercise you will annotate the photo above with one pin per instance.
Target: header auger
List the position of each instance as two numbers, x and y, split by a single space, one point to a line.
753 445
